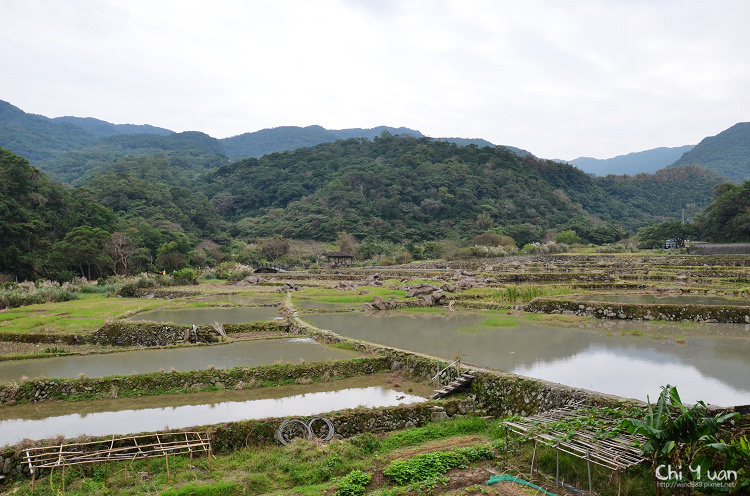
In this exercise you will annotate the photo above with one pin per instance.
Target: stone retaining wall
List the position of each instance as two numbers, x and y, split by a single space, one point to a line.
144 334
153 334
607 310
179 382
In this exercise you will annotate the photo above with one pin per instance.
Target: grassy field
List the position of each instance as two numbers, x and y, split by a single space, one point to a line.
84 315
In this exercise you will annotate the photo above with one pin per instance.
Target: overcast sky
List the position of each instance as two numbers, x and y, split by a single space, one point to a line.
560 78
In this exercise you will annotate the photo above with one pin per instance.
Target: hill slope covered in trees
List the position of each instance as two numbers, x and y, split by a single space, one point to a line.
398 188
727 153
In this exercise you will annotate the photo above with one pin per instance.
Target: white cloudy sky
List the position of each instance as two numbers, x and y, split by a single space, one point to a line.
560 78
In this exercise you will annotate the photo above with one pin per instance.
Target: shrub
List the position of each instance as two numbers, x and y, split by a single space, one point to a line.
353 484
430 465
186 276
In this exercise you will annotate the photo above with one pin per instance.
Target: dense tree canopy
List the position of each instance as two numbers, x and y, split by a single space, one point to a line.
36 213
398 188
727 218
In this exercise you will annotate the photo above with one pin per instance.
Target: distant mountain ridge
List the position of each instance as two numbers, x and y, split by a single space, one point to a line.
69 148
100 128
648 161
288 138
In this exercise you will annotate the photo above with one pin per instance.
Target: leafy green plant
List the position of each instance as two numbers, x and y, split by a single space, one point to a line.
353 483
186 276
676 435
427 466
737 458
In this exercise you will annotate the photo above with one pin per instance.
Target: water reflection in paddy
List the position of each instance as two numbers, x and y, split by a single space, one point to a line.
246 299
207 315
617 357
237 354
131 415
664 299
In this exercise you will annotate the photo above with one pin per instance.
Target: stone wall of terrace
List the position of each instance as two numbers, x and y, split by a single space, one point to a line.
85 388
608 310
145 334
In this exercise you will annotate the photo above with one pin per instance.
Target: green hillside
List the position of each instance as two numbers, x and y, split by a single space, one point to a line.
38 138
36 215
100 128
406 188
727 153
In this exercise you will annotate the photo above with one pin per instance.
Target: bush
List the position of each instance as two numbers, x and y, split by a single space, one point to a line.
186 276
430 465
353 484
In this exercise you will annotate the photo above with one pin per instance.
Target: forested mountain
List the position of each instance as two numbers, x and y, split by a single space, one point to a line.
35 137
193 152
99 128
70 148
665 193
35 216
406 188
648 161
155 189
727 153
286 138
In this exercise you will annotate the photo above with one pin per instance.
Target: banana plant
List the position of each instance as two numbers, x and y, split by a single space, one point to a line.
677 435
737 458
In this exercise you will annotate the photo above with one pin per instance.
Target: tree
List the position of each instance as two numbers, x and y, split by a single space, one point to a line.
727 218
483 222
488 238
654 236
85 247
567 237
121 248
346 242
274 248
172 255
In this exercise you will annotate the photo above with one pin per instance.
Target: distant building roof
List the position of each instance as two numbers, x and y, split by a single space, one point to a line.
338 254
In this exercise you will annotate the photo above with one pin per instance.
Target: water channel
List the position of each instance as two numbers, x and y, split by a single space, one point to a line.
179 411
709 362
236 354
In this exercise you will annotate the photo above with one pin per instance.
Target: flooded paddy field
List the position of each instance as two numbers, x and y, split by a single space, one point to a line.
151 413
245 298
207 315
709 362
237 354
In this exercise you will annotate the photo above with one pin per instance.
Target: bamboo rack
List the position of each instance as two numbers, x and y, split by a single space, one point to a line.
125 449
618 453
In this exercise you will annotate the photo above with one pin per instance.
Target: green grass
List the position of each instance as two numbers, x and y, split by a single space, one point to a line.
338 296
86 314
